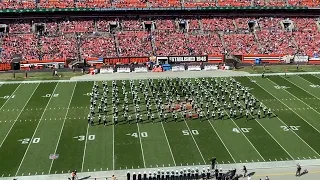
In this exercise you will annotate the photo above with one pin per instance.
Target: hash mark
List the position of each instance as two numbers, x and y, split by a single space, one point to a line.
55 172
22 174
36 173
29 174
42 173
61 172
269 159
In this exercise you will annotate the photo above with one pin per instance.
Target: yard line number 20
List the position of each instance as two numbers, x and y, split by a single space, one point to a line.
27 140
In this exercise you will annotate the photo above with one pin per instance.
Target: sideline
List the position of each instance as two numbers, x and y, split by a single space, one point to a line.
155 75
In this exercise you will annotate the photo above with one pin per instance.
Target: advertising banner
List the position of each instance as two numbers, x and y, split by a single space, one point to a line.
5 67
125 60
187 59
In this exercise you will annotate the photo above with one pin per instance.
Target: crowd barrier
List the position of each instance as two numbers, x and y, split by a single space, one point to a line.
210 67
140 70
106 70
123 70
178 68
194 68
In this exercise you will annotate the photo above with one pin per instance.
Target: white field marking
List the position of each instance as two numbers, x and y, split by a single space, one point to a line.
55 151
34 133
19 115
165 134
240 131
303 108
85 148
285 123
144 162
315 97
269 133
315 76
194 140
113 161
222 142
10 97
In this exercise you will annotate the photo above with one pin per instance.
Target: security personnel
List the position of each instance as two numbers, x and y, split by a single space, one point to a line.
134 176
145 176
128 175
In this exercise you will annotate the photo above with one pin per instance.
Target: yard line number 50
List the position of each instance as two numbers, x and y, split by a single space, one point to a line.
192 132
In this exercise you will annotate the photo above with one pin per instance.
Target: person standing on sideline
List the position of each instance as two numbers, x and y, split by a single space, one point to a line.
213 162
244 171
128 175
267 178
298 173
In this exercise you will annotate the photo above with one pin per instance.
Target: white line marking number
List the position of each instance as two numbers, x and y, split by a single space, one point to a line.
193 132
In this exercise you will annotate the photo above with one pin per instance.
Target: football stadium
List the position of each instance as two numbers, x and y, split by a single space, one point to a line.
146 89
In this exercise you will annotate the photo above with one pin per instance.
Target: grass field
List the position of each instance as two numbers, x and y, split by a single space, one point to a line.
279 68
40 119
36 75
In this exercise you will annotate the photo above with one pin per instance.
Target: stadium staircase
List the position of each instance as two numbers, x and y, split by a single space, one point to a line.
200 25
116 44
256 39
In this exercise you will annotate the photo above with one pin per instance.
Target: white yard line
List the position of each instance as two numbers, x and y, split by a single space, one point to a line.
302 88
64 120
284 122
269 134
294 111
113 161
10 97
315 76
241 131
18 116
165 134
144 162
222 141
85 148
36 128
195 142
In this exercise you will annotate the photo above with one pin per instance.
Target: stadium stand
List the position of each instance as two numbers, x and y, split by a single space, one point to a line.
30 4
138 37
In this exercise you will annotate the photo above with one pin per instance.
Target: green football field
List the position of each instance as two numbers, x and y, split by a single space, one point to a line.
44 130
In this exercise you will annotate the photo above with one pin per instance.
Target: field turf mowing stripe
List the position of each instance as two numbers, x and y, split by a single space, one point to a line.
155 142
9 117
209 141
184 147
235 141
21 133
72 140
101 146
6 92
309 114
37 158
295 146
308 87
312 79
269 148
36 140
289 116
127 147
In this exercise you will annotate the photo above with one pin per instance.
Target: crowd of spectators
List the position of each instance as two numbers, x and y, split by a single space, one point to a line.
94 38
30 4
